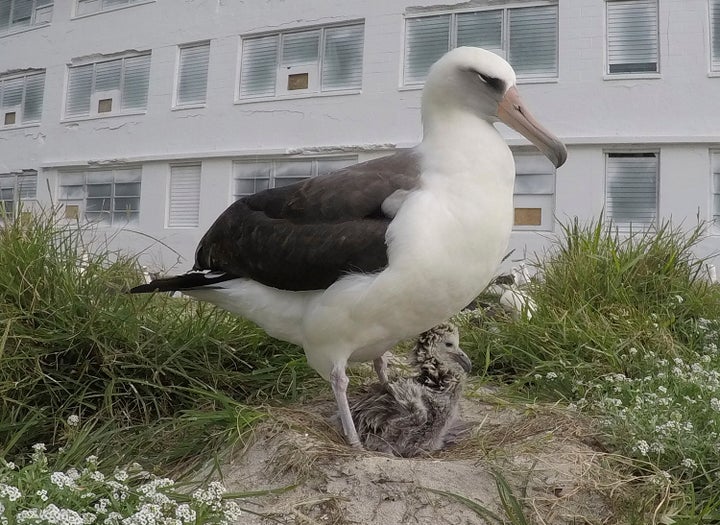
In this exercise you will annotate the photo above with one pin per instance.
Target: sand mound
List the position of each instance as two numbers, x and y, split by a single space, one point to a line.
553 469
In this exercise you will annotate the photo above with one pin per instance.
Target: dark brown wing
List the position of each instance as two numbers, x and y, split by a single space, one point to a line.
307 235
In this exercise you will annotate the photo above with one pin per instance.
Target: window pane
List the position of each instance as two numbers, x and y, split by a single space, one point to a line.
99 190
22 13
184 197
127 189
632 35
480 29
533 41
4 15
250 186
72 192
343 57
107 75
715 32
135 85
12 92
329 165
32 108
426 40
631 193
79 90
534 184
259 66
126 204
192 74
97 205
295 170
300 48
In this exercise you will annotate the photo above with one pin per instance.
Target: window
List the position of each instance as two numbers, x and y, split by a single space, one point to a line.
526 36
16 188
106 197
21 99
631 192
252 176
193 63
16 15
321 60
184 197
715 35
534 198
86 7
110 87
715 165
632 36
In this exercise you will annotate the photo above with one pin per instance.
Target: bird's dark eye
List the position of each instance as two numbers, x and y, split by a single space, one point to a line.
448 345
493 82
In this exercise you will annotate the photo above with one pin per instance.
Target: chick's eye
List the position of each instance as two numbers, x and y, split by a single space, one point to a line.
493 82
448 345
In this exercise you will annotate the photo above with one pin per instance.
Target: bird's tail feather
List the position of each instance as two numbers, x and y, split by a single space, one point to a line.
188 281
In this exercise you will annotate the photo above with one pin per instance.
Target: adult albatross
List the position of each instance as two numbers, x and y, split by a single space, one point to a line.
349 263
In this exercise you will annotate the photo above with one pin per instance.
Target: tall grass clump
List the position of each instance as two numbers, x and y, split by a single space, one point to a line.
625 329
74 344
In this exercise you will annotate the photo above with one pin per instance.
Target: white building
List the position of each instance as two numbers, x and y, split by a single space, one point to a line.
149 117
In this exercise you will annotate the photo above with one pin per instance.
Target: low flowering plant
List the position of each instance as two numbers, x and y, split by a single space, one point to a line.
37 495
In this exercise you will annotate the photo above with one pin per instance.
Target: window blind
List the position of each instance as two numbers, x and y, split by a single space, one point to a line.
193 74
24 96
343 57
631 189
426 40
632 36
533 41
184 198
259 66
715 33
481 29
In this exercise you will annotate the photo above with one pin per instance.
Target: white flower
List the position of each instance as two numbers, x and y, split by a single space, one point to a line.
184 513
715 404
43 494
10 465
62 480
679 299
551 376
633 351
9 492
121 475
91 460
73 420
689 463
642 447
97 476
39 447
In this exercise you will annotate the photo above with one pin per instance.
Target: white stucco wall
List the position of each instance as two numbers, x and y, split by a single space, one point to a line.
676 112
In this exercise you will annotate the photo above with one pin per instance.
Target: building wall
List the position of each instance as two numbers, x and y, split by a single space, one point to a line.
675 112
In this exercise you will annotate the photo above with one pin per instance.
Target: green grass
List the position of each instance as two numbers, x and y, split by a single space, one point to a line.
148 368
626 330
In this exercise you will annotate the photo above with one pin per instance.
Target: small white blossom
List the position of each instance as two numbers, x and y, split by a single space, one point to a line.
9 492
73 420
121 475
715 404
39 447
642 447
43 494
551 376
689 463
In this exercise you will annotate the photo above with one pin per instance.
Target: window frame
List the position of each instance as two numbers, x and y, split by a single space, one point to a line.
504 37
275 160
33 24
629 226
320 92
17 198
94 114
131 3
82 210
22 123
607 75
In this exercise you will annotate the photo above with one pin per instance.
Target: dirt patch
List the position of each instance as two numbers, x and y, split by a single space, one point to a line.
551 465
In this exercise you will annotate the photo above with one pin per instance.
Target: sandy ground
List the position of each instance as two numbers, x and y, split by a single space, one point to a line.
552 466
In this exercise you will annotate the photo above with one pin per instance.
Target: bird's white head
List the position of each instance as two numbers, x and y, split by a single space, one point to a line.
476 81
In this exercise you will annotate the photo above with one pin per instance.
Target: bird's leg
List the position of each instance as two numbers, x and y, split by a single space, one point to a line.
339 382
380 365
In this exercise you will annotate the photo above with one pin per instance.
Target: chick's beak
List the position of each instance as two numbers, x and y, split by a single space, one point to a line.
464 361
512 111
